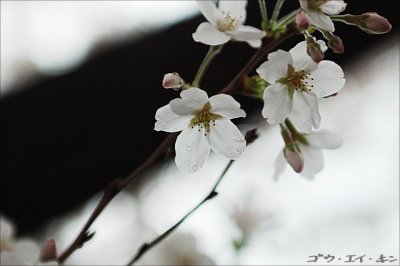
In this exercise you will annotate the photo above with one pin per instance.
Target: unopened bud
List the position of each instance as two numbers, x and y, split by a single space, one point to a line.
48 251
314 50
254 86
369 22
335 43
294 157
373 23
303 21
172 81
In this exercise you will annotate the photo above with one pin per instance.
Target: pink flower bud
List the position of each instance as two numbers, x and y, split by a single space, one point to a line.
172 81
314 50
294 158
48 251
303 21
373 23
336 44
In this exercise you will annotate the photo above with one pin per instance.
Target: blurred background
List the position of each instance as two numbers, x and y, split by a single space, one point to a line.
80 83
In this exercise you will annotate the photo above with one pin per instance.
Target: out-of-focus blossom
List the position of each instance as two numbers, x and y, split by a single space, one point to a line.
205 124
19 251
225 22
311 150
178 249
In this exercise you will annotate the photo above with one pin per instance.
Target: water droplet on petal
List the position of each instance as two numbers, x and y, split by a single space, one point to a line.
187 162
157 118
194 167
188 148
323 93
235 134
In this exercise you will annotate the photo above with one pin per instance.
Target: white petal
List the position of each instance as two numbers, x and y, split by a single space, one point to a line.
193 100
226 106
313 161
276 67
246 33
170 122
236 8
208 9
301 59
277 103
279 165
322 21
305 114
26 251
328 79
304 4
324 139
226 139
255 43
206 33
333 7
192 149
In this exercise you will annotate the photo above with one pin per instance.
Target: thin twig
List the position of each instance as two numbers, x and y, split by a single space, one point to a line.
147 246
117 185
258 56
109 193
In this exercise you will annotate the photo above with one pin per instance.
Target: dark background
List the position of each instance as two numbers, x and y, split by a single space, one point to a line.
65 138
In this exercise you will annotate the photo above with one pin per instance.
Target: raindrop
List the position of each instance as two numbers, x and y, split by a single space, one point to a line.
323 93
188 148
187 162
239 139
194 167
157 118
235 134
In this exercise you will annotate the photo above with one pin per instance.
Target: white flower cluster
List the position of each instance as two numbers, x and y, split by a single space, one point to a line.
295 81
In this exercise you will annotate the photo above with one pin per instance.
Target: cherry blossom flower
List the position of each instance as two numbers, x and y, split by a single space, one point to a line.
20 251
311 150
205 124
225 22
296 82
317 10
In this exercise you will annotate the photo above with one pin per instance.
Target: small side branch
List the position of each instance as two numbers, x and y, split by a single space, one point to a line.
147 246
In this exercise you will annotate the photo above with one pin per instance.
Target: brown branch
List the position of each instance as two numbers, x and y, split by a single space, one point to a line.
117 185
110 192
146 246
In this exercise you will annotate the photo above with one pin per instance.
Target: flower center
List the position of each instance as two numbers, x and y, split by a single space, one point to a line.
204 119
228 22
297 80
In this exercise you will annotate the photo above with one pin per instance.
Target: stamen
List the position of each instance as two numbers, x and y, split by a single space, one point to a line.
228 22
299 80
204 119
